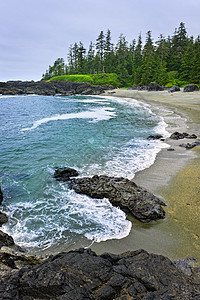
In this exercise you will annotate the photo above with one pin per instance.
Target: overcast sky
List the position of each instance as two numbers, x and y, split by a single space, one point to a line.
34 33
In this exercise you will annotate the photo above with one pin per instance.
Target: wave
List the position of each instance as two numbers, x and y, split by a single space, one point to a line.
96 114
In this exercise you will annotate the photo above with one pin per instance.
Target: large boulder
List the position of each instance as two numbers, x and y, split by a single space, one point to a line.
64 174
190 88
174 88
122 193
81 274
154 86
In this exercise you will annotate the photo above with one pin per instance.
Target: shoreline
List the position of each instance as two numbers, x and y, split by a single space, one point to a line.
172 175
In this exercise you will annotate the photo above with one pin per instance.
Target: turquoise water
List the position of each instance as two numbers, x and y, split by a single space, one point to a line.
95 135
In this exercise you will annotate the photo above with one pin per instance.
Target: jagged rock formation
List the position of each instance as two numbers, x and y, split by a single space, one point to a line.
48 88
81 274
122 193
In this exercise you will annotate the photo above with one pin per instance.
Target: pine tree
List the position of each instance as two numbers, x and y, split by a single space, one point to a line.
137 62
100 46
178 46
122 54
90 59
148 61
108 54
161 54
81 59
195 69
57 69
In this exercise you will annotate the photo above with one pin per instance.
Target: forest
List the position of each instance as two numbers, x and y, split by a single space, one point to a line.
168 61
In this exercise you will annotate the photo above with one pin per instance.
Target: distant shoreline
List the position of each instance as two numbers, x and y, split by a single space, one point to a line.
170 177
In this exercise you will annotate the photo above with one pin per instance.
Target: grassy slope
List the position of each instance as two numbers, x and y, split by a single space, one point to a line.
94 79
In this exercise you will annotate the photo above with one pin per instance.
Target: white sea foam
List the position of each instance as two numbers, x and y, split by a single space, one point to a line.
45 223
135 156
96 114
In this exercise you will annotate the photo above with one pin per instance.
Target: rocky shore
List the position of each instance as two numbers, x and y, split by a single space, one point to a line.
81 274
65 88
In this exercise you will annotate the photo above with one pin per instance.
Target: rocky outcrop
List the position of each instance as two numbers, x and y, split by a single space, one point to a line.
81 274
48 88
3 218
190 88
64 174
122 193
177 136
174 88
5 239
154 86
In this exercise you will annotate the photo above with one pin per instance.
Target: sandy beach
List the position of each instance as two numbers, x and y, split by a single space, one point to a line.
174 177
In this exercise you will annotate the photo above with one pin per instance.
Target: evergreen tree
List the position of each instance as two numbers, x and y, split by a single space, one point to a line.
148 61
137 62
195 69
122 54
161 55
178 46
90 60
57 69
81 62
100 46
187 60
108 54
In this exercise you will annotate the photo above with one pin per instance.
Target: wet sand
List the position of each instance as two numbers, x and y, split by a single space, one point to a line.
174 177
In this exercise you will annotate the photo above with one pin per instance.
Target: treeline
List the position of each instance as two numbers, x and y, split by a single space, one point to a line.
168 61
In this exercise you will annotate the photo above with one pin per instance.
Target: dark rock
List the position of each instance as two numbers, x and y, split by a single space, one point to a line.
138 87
174 88
81 274
1 195
5 239
155 137
192 136
3 218
49 88
190 88
177 136
17 260
153 86
189 146
122 193
64 174
170 149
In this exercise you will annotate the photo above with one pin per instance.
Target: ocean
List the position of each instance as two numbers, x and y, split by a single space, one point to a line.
92 134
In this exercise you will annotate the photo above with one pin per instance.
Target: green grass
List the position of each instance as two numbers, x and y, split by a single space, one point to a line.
102 79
